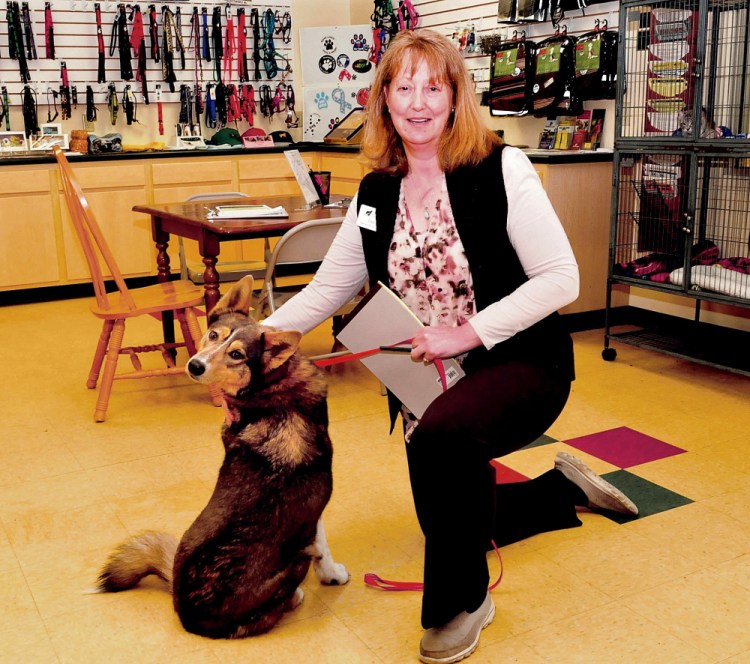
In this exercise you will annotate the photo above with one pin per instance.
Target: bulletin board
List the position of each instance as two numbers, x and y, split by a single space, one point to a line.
336 75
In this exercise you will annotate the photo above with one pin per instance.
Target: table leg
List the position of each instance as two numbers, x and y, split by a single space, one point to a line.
210 282
163 275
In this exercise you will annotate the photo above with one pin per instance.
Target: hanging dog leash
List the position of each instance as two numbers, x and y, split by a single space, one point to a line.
242 72
90 108
65 108
112 104
101 74
49 32
138 43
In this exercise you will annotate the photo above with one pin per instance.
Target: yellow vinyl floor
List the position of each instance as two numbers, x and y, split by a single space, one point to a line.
672 586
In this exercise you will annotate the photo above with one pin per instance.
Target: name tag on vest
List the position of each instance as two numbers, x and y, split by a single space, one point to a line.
366 218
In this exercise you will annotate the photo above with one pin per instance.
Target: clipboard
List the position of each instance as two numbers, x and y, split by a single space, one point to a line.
382 319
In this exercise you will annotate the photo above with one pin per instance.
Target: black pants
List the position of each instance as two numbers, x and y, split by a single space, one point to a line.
488 413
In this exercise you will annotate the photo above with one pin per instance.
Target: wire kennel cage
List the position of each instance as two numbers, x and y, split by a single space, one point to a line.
680 221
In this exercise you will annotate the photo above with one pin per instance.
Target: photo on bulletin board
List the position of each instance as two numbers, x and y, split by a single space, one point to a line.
325 107
336 54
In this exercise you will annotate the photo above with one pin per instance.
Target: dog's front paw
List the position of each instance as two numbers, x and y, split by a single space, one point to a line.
332 573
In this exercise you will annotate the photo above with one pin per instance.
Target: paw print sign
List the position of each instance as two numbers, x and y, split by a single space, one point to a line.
325 106
359 42
327 64
335 54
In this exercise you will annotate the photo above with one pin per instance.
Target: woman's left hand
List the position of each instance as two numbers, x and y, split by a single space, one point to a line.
440 342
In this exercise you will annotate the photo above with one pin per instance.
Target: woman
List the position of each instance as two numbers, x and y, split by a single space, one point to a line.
466 236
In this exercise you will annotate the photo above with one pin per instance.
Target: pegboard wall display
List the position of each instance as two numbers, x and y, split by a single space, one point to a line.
207 64
468 23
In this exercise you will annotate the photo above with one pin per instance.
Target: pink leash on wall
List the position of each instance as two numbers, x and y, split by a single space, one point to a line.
370 579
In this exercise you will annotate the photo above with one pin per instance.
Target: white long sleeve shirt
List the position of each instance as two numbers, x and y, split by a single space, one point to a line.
534 230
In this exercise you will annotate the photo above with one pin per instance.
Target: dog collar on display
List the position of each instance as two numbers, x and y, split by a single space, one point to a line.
230 45
28 32
210 106
198 104
169 38
130 105
138 43
179 45
120 40
255 19
90 107
242 72
15 41
30 120
220 94
159 110
101 73
247 103
292 119
50 117
112 104
49 32
408 19
6 108
217 42
153 33
65 108
206 41
195 41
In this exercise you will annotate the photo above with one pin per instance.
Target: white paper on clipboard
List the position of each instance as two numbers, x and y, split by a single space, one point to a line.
384 320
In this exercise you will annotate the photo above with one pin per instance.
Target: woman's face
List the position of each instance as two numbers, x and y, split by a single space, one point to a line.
419 106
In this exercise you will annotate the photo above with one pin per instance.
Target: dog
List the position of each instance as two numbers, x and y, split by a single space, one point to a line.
239 566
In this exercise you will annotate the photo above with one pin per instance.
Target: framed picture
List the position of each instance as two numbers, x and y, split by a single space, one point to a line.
50 129
48 141
12 141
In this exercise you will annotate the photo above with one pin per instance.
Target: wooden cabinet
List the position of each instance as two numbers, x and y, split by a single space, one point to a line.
33 209
581 194
28 229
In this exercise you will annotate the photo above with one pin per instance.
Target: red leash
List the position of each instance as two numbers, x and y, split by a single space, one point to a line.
348 357
374 581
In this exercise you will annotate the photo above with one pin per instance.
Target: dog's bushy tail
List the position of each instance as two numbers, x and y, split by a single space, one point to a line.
147 553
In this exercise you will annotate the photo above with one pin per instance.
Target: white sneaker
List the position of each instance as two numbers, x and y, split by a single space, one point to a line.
601 494
458 638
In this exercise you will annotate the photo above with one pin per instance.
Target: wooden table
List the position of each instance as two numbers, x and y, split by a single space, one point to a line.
191 220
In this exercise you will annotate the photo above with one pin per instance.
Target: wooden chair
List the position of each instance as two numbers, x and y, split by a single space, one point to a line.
178 297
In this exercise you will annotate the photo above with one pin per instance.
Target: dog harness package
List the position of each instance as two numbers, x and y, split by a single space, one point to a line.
596 65
554 74
521 11
511 73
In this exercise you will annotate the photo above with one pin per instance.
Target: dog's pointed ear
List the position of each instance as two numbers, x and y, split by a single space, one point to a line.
237 299
278 347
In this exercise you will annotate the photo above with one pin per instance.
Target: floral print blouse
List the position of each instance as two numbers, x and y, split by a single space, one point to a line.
429 269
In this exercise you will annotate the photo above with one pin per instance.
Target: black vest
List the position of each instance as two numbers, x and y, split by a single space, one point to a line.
480 207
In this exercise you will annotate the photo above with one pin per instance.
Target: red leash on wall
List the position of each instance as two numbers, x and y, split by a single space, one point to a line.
373 580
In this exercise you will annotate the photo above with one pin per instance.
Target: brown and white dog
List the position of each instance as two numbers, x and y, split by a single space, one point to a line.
239 566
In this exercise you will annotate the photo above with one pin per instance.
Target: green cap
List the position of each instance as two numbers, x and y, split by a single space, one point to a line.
226 136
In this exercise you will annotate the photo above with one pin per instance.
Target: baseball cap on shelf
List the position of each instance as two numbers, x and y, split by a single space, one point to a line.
226 136
252 132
